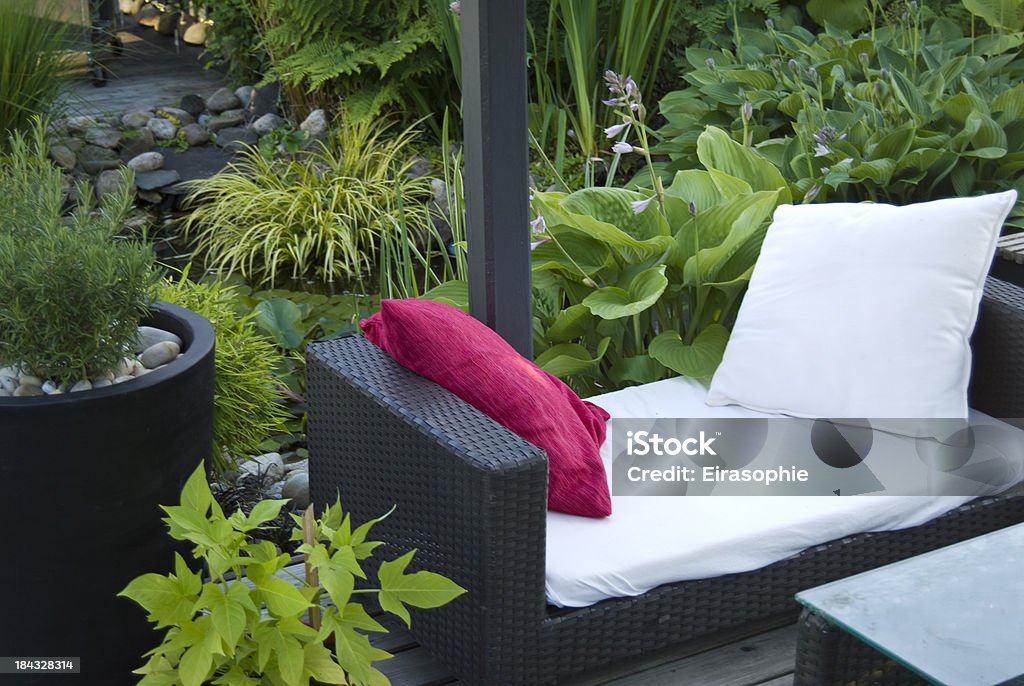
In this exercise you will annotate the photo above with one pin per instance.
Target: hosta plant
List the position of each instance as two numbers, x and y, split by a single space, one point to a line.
633 286
912 111
225 632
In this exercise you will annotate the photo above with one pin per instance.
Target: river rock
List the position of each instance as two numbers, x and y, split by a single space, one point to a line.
150 181
244 95
147 161
163 129
136 120
196 34
122 379
149 336
195 135
222 99
101 383
80 124
49 387
81 386
130 6
268 465
148 15
298 466
183 116
236 138
224 121
193 104
136 142
62 155
27 391
110 181
267 123
296 487
315 125
159 353
95 159
105 138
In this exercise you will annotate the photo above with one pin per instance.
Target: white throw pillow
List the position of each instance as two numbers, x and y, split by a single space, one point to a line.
863 310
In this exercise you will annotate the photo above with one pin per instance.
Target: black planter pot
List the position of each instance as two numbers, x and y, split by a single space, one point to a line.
82 478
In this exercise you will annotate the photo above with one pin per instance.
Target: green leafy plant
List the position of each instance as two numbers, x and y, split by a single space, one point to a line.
71 293
371 54
315 217
31 62
247 401
222 631
631 286
919 112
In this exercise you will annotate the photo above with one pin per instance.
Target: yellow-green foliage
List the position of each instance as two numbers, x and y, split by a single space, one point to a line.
318 216
247 401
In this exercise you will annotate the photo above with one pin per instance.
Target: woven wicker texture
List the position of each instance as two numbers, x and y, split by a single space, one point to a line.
471 498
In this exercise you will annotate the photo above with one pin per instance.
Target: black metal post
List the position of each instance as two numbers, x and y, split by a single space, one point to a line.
497 186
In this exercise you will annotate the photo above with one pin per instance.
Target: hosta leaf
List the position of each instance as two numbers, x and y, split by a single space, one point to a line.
630 239
879 171
700 188
910 96
419 589
1003 14
612 302
895 144
572 252
281 319
614 206
566 359
1010 103
717 150
454 292
699 360
640 370
992 153
849 15
571 323
989 135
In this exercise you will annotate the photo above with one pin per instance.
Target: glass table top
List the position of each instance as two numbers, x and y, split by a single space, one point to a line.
954 616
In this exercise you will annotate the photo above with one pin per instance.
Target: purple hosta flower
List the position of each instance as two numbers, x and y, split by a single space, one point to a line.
538 226
615 129
692 207
632 90
825 170
455 7
769 23
794 66
812 74
863 57
813 193
622 148
641 205
615 102
827 134
746 111
709 63
821 150
884 73
616 84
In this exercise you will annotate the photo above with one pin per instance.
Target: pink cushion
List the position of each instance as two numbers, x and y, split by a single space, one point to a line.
456 351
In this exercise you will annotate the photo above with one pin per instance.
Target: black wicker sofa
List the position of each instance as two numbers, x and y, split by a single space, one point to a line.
471 498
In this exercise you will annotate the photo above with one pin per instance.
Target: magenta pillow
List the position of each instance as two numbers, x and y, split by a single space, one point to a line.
456 351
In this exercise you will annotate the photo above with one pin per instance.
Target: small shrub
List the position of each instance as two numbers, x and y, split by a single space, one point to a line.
247 405
317 216
71 292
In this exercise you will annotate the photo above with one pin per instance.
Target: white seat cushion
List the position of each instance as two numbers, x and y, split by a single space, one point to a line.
650 541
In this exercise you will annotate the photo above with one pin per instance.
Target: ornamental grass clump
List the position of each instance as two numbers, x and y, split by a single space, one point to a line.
71 291
247 400
317 216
